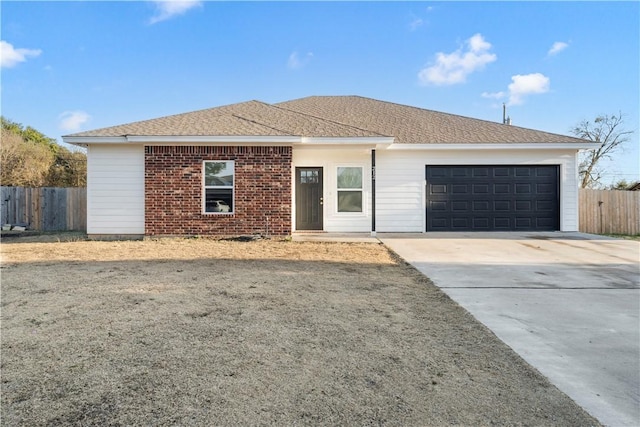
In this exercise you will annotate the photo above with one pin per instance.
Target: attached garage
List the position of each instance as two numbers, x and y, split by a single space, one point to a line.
493 198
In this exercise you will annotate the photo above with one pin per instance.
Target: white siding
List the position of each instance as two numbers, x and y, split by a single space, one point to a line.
330 159
115 189
400 182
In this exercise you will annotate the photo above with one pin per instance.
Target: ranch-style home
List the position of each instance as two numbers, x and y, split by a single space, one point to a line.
326 163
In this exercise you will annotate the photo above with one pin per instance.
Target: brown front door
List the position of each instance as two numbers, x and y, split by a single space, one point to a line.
308 198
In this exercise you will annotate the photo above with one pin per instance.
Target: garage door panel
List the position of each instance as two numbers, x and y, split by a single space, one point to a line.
460 223
521 188
501 205
501 172
480 205
523 223
460 189
501 188
548 172
459 173
480 172
480 189
544 222
502 223
545 206
522 171
439 206
460 206
545 189
438 189
486 198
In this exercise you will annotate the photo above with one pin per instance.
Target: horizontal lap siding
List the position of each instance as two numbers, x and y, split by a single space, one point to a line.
400 182
399 191
329 160
115 189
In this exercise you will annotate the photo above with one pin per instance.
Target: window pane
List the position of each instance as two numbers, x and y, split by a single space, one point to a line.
218 174
309 177
349 201
349 177
218 200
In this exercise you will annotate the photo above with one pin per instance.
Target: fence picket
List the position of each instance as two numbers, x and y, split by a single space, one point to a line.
45 209
609 211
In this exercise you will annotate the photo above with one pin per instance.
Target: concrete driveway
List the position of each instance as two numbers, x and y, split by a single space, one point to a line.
568 303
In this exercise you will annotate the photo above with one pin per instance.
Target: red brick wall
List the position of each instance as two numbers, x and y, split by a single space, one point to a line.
173 191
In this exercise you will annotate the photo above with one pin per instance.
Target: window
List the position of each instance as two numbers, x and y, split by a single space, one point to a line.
349 189
218 186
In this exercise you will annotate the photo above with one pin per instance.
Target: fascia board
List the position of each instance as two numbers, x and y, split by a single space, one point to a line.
84 140
346 141
284 140
159 140
513 146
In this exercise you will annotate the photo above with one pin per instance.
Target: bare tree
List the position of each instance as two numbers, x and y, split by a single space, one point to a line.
609 132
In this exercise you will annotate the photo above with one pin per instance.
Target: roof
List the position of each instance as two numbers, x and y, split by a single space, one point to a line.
333 117
634 187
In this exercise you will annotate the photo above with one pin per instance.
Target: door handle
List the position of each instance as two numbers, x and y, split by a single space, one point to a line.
321 200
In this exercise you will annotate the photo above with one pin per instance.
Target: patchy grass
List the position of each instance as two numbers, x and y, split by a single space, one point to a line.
625 236
206 332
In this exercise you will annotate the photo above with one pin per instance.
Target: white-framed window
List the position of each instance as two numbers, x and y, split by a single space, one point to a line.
218 186
349 181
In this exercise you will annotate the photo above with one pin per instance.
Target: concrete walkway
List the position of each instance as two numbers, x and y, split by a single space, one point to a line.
568 303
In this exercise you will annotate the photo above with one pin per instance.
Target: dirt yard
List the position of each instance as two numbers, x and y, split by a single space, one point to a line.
204 332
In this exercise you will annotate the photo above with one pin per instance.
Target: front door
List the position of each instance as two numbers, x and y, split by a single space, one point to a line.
308 198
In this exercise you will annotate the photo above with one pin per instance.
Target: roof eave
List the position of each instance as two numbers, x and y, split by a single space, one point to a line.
233 139
494 146
172 139
360 140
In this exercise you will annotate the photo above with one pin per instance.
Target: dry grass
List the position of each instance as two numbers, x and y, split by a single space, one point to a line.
205 332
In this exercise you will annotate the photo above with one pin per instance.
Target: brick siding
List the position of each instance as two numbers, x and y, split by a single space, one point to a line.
173 191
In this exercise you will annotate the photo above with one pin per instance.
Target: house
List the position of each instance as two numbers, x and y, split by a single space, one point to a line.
326 163
634 187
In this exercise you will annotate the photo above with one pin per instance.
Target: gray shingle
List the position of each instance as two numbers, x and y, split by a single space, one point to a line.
331 116
412 125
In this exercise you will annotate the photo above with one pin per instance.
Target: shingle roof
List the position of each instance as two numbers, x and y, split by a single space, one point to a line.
252 118
332 116
411 125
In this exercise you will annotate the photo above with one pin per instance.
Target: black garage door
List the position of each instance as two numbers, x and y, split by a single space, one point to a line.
493 198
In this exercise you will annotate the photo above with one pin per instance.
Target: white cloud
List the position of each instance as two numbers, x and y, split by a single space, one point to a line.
493 95
520 87
415 24
557 48
10 56
295 61
166 9
453 68
528 84
71 121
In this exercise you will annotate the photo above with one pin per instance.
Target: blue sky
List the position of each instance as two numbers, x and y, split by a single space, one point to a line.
72 66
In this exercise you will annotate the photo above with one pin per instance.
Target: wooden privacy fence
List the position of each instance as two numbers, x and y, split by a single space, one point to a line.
609 211
45 208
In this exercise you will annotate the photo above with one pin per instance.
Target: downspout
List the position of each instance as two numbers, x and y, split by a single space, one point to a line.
373 192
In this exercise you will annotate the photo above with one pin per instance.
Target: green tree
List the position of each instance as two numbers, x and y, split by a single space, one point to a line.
620 185
23 163
609 133
31 159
